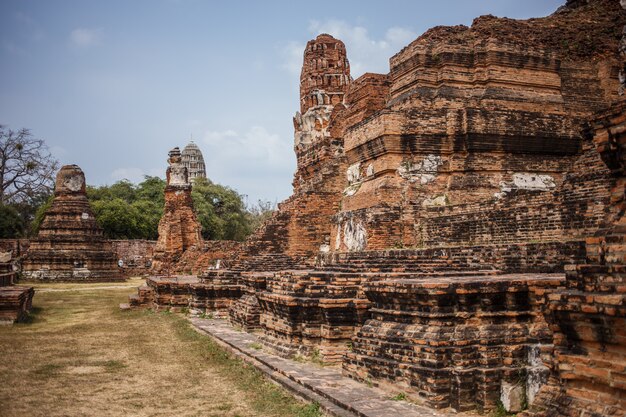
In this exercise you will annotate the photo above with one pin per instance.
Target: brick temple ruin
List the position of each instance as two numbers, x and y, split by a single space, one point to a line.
179 229
15 300
457 225
70 246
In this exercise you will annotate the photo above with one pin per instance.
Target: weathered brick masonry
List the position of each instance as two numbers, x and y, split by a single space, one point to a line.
179 229
70 245
453 233
15 300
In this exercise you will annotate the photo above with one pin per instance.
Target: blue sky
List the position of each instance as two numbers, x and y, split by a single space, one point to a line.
113 85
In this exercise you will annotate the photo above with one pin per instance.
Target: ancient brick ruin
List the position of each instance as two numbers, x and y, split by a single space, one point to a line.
179 229
15 300
457 228
70 245
135 255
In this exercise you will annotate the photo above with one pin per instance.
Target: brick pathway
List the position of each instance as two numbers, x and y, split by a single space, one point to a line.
337 395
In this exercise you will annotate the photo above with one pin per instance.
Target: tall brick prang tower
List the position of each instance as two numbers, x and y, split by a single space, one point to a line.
179 229
324 82
325 74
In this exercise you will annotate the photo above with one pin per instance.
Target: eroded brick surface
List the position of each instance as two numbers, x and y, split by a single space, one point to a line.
70 245
453 233
179 229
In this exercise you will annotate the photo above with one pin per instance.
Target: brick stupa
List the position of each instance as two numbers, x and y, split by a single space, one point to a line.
70 245
179 229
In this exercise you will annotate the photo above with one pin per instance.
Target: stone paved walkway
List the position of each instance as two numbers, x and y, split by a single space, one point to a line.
337 395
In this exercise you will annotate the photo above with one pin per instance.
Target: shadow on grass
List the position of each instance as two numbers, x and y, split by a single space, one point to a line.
33 316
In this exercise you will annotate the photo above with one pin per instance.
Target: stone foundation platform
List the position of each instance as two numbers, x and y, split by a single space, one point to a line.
454 340
15 303
212 292
246 311
311 312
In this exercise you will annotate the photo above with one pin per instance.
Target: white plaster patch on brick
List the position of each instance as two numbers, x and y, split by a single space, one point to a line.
338 238
352 189
324 248
370 170
438 201
312 125
512 397
353 173
84 216
526 181
81 272
354 235
532 181
423 172
538 374
73 182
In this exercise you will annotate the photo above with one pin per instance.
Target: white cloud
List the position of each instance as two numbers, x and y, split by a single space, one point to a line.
255 162
83 37
257 147
292 53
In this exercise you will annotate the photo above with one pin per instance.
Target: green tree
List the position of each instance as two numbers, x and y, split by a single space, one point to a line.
11 224
149 215
118 218
151 189
220 210
39 215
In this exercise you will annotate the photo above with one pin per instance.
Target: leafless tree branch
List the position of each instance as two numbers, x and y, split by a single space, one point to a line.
27 168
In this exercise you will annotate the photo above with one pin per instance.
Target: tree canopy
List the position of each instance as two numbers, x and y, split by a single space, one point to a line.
27 171
128 211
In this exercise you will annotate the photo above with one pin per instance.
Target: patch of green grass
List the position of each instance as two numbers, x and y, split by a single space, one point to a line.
500 411
206 315
49 370
112 365
256 346
310 410
399 397
299 358
317 358
267 398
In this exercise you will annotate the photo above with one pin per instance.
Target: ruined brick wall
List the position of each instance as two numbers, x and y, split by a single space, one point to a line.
588 314
479 139
17 247
135 254
214 254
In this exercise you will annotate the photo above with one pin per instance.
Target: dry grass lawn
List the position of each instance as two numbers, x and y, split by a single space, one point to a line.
81 356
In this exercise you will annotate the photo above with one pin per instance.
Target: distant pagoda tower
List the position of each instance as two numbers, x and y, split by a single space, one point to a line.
194 161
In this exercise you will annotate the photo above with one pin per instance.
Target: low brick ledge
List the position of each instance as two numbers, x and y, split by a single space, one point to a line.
337 395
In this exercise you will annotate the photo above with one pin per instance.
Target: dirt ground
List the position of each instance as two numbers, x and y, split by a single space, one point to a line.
81 356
